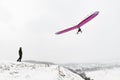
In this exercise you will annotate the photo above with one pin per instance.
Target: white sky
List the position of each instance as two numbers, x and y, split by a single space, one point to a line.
32 24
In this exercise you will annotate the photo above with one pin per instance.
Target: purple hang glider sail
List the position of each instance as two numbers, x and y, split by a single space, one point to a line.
81 23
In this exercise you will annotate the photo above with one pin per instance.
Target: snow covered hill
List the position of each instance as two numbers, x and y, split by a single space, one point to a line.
86 67
106 74
98 71
33 71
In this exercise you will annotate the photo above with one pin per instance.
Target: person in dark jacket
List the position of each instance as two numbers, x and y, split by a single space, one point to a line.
20 55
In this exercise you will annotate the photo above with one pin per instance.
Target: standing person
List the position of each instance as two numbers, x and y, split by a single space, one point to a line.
20 55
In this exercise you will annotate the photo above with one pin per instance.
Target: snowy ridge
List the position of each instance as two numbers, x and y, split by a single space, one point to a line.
97 71
41 71
86 67
32 71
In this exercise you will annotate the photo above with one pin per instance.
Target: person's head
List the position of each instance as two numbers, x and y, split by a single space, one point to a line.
21 48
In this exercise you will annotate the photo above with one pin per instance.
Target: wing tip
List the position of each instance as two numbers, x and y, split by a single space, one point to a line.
57 33
96 12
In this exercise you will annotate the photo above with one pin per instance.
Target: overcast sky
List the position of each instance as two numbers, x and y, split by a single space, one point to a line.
32 24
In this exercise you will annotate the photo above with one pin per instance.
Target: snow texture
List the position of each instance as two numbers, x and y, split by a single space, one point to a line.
33 71
97 71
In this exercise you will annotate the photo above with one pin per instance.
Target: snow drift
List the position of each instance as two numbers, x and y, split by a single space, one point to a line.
98 71
33 71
